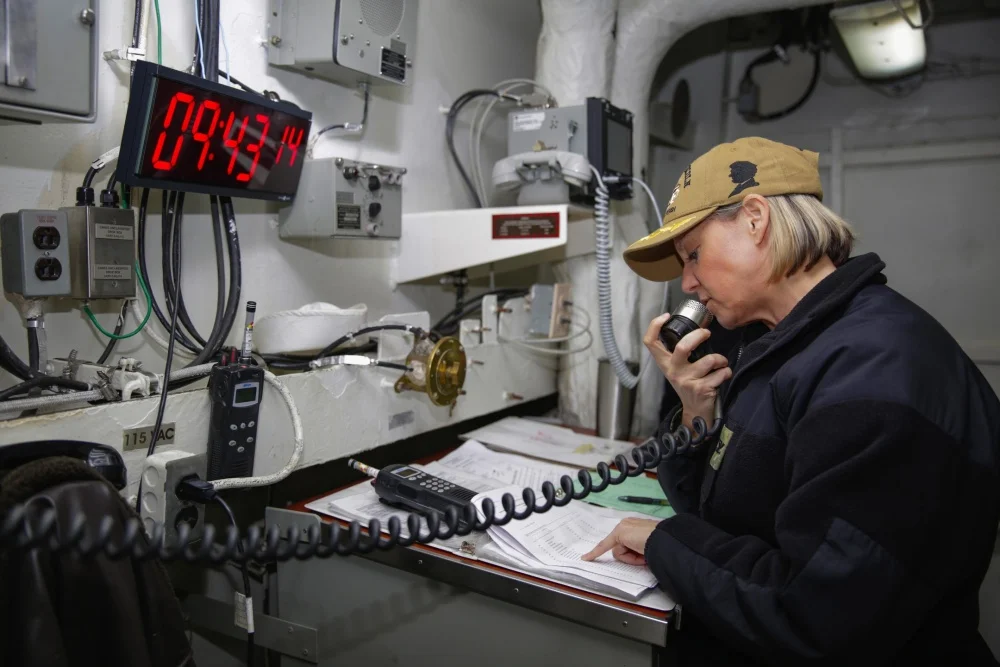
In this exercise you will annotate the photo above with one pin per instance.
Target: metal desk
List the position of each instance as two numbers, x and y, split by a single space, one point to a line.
423 606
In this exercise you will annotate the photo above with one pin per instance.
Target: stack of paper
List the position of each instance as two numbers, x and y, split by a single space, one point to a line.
559 538
552 443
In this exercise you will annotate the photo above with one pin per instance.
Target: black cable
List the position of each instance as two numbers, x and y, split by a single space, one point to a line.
233 79
220 266
243 569
12 363
456 107
88 178
392 365
170 260
364 116
119 326
164 321
328 350
172 340
748 86
137 23
235 284
42 382
448 324
34 354
24 527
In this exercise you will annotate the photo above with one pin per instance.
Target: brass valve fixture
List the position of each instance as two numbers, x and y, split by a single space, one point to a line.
438 369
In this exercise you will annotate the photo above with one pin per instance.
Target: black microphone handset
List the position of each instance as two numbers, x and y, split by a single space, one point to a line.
687 317
235 390
404 486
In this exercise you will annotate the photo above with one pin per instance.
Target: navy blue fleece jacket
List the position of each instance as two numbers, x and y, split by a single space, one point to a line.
848 512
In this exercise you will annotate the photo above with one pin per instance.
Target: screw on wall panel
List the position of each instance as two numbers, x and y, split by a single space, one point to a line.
368 42
305 651
343 39
409 62
275 40
517 590
624 624
87 16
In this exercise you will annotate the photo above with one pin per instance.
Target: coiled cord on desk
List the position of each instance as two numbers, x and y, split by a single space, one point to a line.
24 528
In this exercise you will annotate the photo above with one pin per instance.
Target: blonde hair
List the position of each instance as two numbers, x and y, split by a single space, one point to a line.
802 231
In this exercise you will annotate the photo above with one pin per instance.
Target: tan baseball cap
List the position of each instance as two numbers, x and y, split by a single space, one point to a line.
722 176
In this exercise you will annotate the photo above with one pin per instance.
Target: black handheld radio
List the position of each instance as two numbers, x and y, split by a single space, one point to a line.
236 390
687 317
405 486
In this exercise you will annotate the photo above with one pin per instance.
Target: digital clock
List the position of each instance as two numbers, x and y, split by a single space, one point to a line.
191 135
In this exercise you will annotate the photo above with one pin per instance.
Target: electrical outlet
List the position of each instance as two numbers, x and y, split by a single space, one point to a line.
35 249
161 473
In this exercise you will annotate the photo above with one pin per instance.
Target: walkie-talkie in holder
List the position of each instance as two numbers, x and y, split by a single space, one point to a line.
236 390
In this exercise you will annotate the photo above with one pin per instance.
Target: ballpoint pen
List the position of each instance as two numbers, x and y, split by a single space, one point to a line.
641 500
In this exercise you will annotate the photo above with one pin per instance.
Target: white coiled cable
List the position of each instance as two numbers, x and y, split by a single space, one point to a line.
602 242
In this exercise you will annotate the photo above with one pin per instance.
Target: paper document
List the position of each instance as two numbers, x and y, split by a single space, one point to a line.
506 469
552 443
559 538
652 598
646 487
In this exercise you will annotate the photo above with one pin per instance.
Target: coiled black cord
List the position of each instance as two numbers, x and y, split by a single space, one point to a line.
25 528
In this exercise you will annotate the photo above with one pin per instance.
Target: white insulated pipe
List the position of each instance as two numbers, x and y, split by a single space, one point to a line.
574 60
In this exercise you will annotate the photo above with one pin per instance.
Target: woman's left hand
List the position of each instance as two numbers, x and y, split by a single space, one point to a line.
627 542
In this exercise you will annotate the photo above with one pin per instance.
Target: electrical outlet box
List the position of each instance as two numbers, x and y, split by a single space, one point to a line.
102 247
35 253
161 473
344 40
340 198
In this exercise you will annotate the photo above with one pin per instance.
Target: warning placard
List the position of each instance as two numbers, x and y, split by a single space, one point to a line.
526 226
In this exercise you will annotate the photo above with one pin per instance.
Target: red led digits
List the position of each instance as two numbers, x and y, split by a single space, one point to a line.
203 137
281 147
158 163
234 143
294 145
256 148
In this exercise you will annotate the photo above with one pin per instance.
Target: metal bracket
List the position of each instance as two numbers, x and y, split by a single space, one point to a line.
291 639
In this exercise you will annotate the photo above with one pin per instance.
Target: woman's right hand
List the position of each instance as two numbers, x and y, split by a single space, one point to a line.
697 384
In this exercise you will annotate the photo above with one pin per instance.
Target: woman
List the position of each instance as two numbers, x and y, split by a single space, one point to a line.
847 511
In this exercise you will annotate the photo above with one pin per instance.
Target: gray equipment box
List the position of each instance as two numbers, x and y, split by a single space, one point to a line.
102 245
35 253
346 41
341 198
48 60
559 128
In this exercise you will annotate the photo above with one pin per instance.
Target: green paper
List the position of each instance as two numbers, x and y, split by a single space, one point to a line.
642 485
